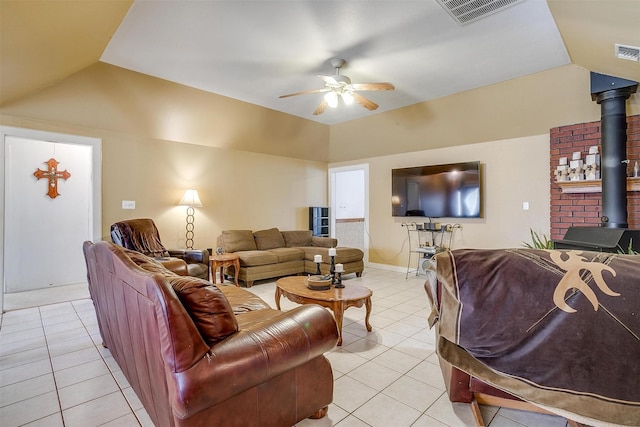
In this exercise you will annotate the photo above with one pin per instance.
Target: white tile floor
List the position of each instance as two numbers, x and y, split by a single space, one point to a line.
54 371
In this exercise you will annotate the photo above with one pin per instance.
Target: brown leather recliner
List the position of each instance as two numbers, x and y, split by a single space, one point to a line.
465 388
539 330
141 235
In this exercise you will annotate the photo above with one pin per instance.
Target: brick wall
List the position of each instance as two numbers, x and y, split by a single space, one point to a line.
585 209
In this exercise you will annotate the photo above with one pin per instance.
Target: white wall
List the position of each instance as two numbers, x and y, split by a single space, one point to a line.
513 171
42 237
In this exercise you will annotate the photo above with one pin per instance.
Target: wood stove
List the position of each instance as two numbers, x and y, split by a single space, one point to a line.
613 234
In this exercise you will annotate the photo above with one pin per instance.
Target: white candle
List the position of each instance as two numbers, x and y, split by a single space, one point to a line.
317 258
339 268
332 251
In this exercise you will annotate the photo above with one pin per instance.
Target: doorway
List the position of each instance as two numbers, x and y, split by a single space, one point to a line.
349 196
43 231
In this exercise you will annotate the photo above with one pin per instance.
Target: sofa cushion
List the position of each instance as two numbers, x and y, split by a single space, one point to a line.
248 319
311 251
238 240
255 258
344 255
324 242
243 301
288 254
296 238
268 239
207 306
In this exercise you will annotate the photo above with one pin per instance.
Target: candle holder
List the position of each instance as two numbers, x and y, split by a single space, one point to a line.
318 260
339 284
338 277
332 269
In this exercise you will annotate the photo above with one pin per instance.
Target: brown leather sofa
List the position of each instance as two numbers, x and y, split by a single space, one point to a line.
142 235
201 355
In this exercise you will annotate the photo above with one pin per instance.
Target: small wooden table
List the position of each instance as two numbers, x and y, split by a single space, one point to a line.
221 261
294 288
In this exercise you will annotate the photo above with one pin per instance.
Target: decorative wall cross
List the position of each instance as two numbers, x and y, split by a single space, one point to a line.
52 174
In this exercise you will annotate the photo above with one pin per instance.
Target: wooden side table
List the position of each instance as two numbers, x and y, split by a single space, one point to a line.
221 261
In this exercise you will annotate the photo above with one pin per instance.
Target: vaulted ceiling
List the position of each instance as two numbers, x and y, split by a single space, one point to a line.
255 51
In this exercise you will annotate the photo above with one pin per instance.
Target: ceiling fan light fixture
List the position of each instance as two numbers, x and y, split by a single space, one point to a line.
338 86
347 98
332 99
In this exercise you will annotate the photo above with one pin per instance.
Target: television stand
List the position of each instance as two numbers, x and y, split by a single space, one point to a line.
426 247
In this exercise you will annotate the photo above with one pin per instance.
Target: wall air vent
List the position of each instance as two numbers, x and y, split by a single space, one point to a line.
631 53
467 11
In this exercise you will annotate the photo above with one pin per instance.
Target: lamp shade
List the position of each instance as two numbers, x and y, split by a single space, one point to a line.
332 99
347 97
191 198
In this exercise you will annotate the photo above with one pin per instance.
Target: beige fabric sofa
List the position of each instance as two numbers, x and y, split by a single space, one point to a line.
271 253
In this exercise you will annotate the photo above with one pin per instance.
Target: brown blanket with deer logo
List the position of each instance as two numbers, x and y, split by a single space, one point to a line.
557 328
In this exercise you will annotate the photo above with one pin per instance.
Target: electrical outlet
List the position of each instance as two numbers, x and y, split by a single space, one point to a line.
128 204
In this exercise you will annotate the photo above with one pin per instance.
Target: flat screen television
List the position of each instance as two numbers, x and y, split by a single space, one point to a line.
437 191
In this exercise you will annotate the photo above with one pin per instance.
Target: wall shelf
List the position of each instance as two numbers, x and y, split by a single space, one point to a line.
595 186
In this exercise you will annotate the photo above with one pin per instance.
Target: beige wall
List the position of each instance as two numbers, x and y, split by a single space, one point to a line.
513 171
529 105
257 168
108 98
254 168
238 189
505 126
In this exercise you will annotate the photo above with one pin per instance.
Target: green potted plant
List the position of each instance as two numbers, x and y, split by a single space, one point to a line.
629 250
539 241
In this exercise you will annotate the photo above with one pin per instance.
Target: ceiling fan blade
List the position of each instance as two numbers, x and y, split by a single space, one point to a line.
328 79
304 92
366 103
321 107
373 86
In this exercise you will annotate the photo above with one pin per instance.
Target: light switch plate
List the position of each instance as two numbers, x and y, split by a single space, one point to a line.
128 204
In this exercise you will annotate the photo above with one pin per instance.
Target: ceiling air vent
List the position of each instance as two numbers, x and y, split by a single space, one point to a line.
631 53
467 11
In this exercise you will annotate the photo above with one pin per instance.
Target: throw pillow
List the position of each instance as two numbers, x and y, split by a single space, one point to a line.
238 240
268 239
297 238
207 306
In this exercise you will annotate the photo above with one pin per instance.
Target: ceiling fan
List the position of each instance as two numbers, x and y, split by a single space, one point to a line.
340 86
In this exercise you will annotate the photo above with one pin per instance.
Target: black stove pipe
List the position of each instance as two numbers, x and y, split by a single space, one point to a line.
611 93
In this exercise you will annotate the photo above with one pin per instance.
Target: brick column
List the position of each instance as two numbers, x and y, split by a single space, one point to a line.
585 209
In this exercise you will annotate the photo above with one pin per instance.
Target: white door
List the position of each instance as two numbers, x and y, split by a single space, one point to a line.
349 206
43 236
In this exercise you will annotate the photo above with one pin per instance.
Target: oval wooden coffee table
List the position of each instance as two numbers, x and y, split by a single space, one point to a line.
294 288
